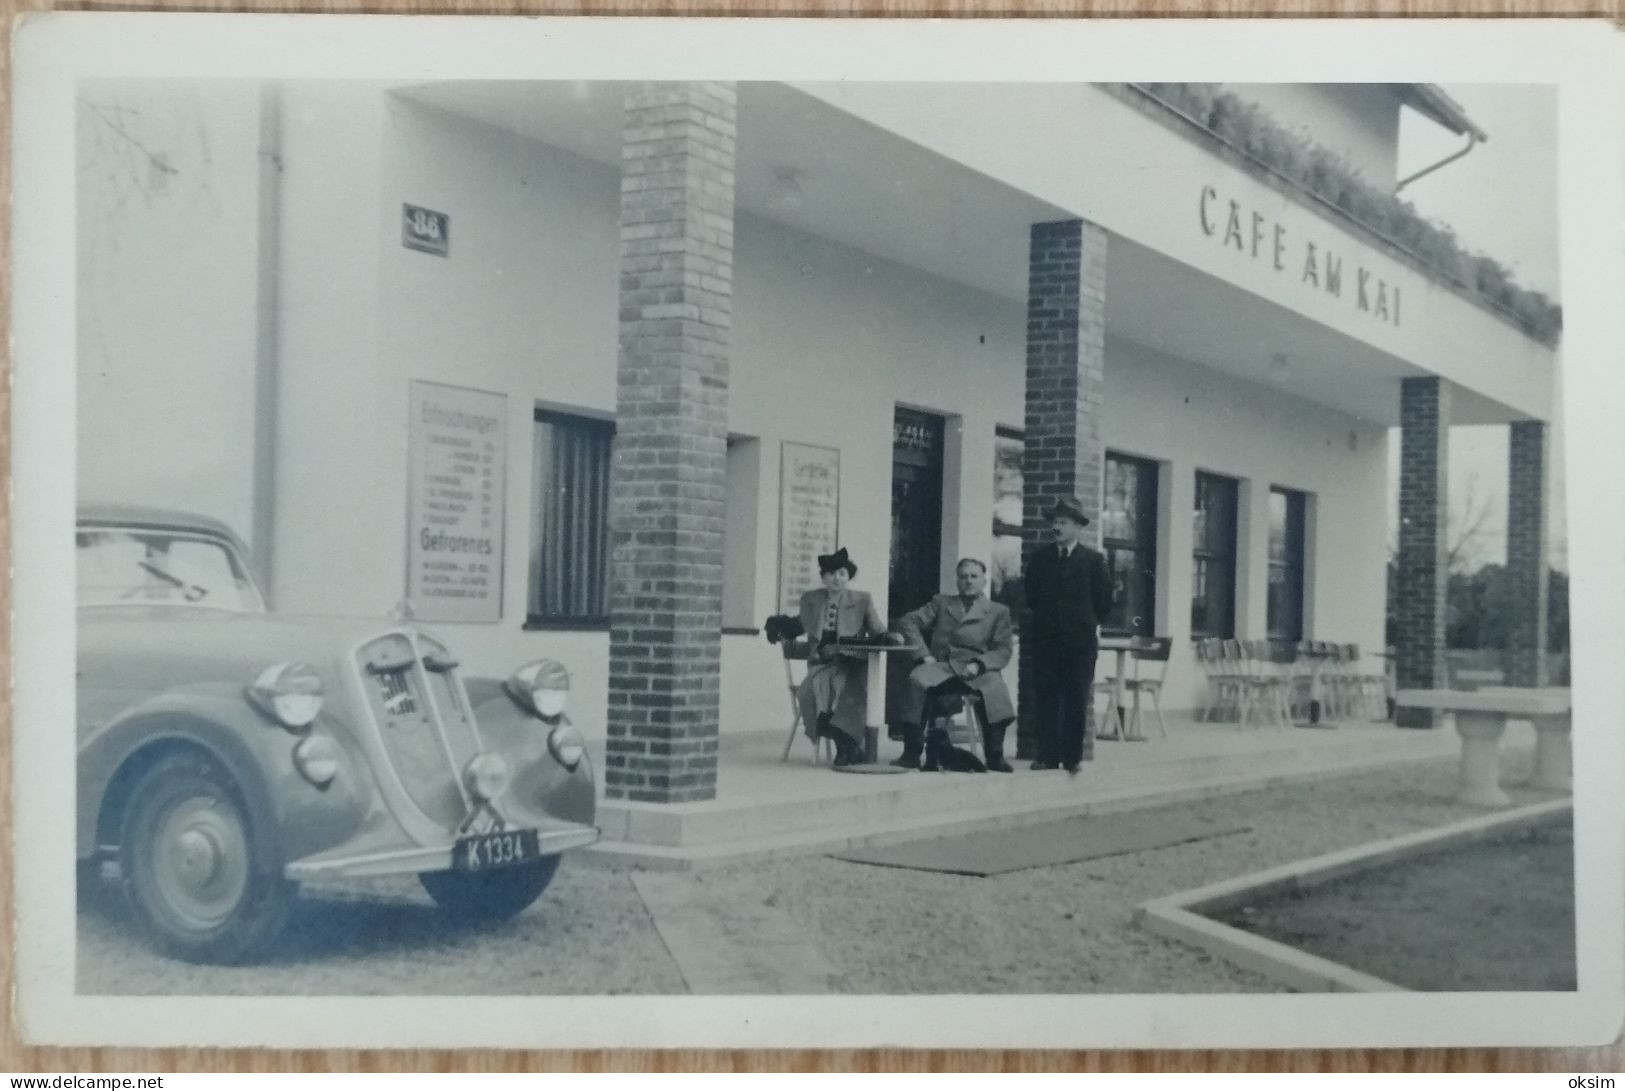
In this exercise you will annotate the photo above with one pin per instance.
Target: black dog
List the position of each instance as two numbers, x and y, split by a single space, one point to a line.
942 756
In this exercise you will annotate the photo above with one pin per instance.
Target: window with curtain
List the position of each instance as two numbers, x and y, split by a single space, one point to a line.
1128 517
1286 565
569 552
1213 582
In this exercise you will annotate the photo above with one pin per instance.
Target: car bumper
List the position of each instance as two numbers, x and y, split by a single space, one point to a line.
366 864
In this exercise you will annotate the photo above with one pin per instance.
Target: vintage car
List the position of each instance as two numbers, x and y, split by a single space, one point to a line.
227 753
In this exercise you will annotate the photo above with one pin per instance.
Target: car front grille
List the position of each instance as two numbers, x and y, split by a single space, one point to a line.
425 728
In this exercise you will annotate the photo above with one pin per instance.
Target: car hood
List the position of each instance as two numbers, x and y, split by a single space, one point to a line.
153 648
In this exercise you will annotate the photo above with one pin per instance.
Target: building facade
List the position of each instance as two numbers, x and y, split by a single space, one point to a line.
593 370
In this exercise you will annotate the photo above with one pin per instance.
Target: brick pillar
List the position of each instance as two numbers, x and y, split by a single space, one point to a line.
667 478
1526 554
1424 459
1066 355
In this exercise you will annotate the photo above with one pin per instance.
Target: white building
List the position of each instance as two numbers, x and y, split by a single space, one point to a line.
729 280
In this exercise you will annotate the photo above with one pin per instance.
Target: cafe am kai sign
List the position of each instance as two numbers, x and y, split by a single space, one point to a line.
1315 267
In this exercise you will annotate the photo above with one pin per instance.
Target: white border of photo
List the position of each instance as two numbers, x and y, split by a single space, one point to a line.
53 51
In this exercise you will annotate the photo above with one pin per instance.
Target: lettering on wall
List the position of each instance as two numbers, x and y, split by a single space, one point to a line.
809 517
1315 266
457 441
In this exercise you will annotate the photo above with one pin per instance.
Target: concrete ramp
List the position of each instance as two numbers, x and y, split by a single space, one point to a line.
734 947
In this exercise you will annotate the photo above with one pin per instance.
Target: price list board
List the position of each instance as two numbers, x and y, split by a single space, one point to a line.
455 518
809 510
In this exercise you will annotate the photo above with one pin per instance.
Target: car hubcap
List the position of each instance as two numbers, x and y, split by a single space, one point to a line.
202 862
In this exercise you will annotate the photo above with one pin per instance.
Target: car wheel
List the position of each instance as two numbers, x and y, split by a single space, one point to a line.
190 868
489 895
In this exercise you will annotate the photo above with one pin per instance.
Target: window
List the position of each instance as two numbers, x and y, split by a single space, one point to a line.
1286 565
1213 583
1004 575
739 535
569 551
1128 518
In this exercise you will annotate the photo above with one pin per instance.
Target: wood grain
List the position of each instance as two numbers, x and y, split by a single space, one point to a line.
17 1057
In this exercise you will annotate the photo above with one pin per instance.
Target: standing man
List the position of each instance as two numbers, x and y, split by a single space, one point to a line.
1069 592
967 639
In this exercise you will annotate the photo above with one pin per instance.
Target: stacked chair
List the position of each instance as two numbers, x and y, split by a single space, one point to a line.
1224 681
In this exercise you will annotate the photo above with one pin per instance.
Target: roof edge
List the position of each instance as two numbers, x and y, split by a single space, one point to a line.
1431 101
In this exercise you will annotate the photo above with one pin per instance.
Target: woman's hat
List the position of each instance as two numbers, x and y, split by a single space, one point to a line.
829 562
1071 509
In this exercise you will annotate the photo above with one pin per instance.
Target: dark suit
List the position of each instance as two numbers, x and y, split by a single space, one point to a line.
1069 597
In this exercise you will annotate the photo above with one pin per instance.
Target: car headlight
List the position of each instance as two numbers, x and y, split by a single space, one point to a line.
317 759
541 688
567 747
486 776
289 693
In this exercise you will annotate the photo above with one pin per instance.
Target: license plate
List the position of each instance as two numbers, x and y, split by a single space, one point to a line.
495 850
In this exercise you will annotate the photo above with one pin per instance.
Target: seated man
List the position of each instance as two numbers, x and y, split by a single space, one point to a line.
967 640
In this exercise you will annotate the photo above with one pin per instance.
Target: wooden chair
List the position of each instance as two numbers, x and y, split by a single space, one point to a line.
785 631
1224 683
1371 684
1156 650
1267 682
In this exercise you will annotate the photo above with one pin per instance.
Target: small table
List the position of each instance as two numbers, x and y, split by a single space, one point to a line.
874 712
1481 720
1122 645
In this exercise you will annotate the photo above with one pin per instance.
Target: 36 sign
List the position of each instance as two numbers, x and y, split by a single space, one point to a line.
425 229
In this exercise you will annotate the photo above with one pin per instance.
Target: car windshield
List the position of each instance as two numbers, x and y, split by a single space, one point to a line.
119 565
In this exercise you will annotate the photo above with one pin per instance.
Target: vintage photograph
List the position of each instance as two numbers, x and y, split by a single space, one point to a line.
821 537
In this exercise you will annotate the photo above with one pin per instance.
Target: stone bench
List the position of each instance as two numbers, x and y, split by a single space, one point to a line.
1481 719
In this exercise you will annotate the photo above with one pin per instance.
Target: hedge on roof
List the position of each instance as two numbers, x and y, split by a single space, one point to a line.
1332 178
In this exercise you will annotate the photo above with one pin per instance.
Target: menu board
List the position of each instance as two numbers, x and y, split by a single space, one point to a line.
455 517
809 511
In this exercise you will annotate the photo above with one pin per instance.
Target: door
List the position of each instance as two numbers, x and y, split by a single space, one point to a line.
916 511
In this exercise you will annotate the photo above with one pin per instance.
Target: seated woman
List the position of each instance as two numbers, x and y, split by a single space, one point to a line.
833 694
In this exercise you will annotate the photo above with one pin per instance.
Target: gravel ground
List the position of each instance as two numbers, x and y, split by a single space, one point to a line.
1064 929
590 933
1517 890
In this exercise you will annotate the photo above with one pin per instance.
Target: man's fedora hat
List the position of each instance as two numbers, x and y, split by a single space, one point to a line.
1071 509
829 562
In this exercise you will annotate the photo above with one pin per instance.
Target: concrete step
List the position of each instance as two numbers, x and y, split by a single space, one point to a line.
866 811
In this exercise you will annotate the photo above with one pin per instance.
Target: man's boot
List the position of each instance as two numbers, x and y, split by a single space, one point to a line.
913 744
993 748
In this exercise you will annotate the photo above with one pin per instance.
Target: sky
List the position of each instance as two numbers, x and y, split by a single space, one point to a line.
1501 199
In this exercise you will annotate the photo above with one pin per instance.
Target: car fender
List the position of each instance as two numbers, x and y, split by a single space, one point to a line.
539 783
289 816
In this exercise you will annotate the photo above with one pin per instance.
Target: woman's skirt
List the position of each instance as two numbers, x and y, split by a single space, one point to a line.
839 687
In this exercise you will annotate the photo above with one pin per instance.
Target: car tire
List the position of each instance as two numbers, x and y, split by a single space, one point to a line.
489 896
191 871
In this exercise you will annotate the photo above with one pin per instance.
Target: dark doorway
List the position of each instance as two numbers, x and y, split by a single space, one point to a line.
916 511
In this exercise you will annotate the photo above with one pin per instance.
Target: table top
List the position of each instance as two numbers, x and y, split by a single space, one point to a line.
861 647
